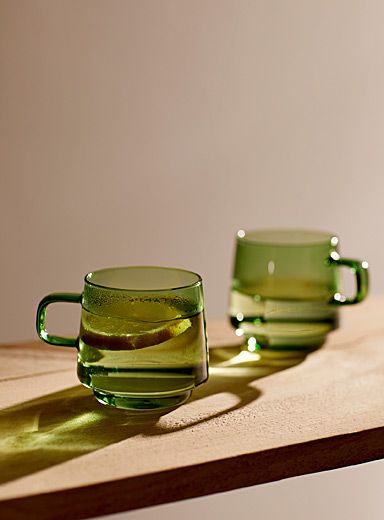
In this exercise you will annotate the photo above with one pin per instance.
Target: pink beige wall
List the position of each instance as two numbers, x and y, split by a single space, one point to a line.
148 132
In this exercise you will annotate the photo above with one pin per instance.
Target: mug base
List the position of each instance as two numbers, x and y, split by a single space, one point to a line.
141 404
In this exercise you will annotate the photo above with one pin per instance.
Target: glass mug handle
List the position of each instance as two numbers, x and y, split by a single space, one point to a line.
360 270
41 314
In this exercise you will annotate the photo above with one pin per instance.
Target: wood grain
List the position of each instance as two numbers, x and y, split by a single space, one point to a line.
62 455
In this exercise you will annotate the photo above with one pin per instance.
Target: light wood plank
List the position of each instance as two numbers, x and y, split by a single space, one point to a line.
62 455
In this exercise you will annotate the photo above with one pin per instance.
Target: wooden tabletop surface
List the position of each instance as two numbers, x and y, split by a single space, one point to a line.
63 455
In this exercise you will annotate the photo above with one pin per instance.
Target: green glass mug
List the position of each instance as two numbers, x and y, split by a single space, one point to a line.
142 343
286 288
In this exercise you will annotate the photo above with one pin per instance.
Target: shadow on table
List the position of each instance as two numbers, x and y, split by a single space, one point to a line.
233 371
61 426
57 427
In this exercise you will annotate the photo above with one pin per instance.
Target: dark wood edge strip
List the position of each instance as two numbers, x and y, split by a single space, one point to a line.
199 480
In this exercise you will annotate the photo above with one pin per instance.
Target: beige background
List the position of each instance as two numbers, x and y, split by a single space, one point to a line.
148 132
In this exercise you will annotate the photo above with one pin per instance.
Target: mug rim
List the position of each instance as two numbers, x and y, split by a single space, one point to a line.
314 237
197 283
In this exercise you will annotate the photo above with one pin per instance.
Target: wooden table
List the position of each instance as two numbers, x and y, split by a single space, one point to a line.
65 456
